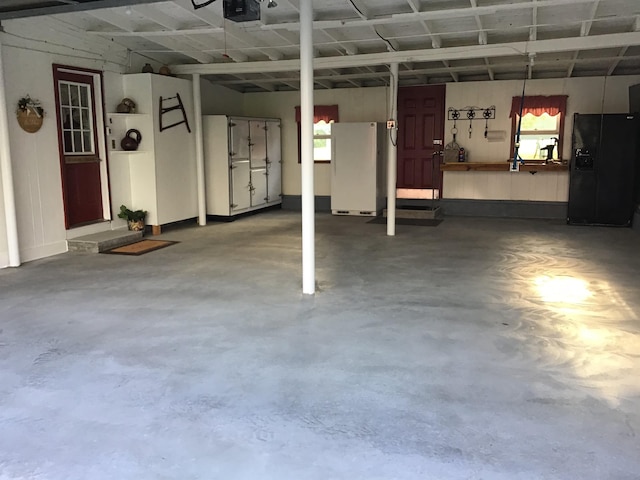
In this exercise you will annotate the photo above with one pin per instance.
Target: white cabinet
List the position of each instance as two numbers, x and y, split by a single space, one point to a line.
160 176
242 164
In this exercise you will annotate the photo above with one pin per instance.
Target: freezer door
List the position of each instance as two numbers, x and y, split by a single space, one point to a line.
240 185
354 168
258 145
238 139
258 187
274 161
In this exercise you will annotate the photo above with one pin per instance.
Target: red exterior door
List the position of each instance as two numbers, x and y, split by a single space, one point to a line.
78 144
421 135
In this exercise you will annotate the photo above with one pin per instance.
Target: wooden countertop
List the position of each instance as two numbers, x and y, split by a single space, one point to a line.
529 166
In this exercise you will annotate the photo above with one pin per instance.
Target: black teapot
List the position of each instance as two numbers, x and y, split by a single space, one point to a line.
129 143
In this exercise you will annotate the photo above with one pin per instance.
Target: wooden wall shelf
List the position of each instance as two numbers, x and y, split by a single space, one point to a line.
501 167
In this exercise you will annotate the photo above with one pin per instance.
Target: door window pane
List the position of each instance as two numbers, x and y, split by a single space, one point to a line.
85 119
64 94
77 118
84 96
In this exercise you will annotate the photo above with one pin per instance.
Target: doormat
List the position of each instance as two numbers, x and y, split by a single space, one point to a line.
141 247
421 222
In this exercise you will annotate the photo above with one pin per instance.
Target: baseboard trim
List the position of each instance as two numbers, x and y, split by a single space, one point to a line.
42 251
459 207
504 208
294 202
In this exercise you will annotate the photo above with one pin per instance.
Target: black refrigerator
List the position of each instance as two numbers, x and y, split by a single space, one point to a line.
604 160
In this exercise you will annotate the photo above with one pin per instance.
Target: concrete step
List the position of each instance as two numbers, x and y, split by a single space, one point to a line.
421 212
99 242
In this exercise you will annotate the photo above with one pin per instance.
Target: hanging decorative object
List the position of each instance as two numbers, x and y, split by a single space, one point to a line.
488 113
164 110
452 149
30 114
471 115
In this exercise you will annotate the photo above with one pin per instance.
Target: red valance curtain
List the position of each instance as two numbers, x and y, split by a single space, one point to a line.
539 104
321 112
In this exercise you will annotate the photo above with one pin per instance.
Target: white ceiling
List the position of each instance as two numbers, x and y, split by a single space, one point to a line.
435 41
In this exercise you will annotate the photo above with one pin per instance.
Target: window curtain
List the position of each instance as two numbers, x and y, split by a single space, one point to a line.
539 104
320 112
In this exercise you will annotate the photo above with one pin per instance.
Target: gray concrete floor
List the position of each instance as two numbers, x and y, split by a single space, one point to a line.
449 352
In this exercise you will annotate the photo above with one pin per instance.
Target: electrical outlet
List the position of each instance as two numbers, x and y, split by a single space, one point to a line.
391 124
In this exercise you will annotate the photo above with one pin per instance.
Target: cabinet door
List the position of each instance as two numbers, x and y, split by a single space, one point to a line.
274 161
274 153
240 185
274 181
258 187
258 143
239 139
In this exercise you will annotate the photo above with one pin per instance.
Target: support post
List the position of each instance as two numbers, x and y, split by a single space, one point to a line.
392 152
306 147
6 172
197 112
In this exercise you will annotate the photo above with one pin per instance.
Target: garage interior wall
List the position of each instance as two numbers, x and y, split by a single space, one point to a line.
28 59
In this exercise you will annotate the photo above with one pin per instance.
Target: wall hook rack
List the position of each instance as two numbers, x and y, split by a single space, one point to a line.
472 113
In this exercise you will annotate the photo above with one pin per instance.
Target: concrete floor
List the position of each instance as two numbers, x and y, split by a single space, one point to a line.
478 349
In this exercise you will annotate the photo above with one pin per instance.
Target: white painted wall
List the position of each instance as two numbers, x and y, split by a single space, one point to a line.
35 161
370 104
355 105
586 95
4 247
219 100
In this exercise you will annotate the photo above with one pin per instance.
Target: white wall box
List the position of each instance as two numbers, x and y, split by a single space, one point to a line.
160 176
358 168
243 165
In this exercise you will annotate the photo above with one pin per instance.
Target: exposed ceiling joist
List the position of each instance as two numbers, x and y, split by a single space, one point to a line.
450 53
66 7
432 40
444 14
418 72
173 43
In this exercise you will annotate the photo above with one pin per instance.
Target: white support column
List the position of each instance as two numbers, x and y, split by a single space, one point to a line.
392 152
7 176
197 112
306 148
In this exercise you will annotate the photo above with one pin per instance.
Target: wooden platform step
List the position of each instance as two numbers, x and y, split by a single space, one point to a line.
99 242
423 212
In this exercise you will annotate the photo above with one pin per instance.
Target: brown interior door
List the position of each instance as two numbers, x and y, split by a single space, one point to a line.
78 143
421 126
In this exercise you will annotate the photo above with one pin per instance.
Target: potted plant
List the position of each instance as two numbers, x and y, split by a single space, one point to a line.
134 218
30 114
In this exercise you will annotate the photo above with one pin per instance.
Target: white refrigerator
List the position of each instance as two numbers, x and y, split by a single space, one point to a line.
358 168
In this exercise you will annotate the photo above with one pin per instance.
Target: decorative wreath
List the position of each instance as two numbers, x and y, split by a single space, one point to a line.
29 105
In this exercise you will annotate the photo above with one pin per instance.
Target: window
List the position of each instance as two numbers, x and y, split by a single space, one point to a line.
77 126
542 127
322 141
323 117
